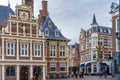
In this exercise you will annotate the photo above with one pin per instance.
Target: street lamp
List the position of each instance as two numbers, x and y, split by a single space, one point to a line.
117 34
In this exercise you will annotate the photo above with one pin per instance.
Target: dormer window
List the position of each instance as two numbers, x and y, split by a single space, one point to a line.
109 31
89 31
101 30
49 23
56 33
105 31
46 32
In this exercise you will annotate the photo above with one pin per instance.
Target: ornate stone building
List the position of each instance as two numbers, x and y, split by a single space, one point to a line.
55 45
88 41
30 47
22 45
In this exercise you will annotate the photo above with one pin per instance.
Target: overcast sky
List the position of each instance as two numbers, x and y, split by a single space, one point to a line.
72 15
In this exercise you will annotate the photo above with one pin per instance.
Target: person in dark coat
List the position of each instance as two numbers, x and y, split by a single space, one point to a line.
100 72
105 74
76 74
82 74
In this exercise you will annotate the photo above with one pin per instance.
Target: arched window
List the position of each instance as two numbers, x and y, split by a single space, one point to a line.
10 71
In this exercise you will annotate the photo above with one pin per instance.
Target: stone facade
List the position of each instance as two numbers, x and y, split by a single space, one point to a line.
88 48
22 46
26 50
55 45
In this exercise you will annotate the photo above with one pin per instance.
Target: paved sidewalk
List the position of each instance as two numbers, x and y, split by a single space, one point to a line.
93 78
90 78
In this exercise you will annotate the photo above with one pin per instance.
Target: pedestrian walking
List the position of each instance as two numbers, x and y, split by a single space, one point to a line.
72 74
105 74
82 74
100 72
76 73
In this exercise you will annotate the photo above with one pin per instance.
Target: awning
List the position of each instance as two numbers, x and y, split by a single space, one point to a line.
81 65
88 64
103 64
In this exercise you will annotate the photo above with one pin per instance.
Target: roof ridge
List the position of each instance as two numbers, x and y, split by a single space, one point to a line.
104 26
3 6
45 20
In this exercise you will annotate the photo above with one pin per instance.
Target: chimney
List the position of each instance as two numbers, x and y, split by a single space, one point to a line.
40 16
40 12
44 8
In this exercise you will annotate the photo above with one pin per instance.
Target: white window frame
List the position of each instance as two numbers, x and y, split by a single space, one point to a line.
82 58
117 41
117 45
56 33
110 43
63 51
63 65
46 32
109 31
101 30
10 49
81 46
37 50
52 65
53 51
94 53
94 41
105 30
23 49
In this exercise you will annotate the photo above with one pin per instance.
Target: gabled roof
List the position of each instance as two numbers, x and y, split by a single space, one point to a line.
49 25
4 12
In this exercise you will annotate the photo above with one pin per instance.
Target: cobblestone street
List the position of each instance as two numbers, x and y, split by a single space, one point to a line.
89 78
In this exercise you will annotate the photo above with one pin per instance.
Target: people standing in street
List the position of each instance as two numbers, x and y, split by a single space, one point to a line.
82 74
76 73
72 74
100 72
105 74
